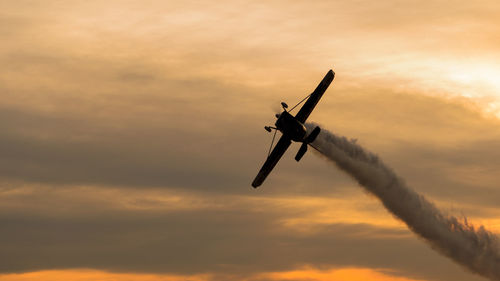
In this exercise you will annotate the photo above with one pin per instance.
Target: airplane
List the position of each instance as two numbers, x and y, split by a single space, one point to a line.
293 129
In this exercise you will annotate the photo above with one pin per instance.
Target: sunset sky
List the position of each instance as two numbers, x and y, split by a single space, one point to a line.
131 131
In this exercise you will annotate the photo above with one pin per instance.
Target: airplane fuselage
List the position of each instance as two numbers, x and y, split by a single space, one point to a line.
291 127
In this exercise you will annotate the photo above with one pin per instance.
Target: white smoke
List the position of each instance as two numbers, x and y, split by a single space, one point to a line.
476 249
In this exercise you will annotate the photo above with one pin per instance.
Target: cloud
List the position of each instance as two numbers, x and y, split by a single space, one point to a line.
168 232
187 242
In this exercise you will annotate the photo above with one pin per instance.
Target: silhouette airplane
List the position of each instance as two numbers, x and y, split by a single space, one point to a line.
293 129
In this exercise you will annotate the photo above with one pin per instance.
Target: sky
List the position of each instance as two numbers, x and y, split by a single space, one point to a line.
131 131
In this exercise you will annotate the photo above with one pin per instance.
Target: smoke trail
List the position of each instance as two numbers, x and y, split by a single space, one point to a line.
476 249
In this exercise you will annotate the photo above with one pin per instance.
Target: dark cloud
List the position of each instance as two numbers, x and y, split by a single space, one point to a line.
232 241
193 150
114 160
462 173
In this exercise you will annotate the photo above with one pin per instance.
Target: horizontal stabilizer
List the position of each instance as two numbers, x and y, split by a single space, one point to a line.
312 136
303 148
302 151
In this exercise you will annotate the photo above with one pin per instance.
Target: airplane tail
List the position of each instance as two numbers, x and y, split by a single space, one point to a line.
309 139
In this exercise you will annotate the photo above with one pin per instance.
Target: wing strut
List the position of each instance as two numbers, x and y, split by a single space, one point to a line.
303 100
272 142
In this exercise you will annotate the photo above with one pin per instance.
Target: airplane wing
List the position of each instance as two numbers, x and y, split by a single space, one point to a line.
271 160
311 102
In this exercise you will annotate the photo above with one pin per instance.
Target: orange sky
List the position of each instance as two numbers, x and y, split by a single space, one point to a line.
132 130
310 274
